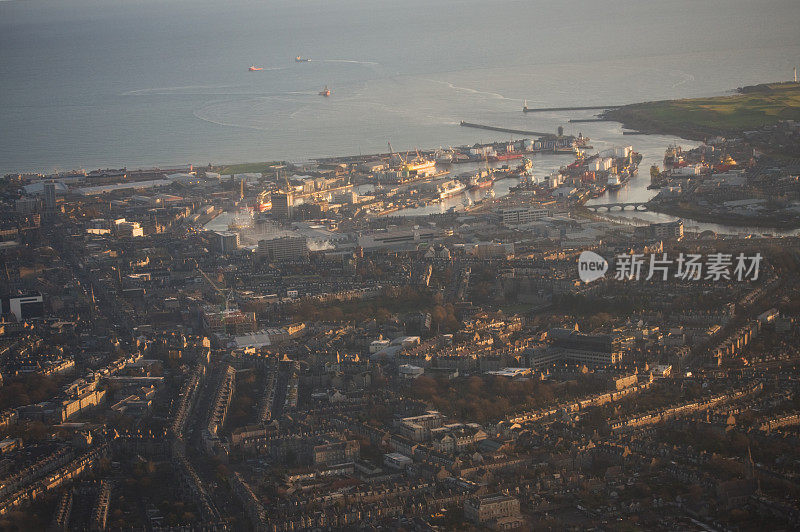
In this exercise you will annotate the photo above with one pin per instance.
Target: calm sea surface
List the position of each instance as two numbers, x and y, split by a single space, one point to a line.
87 84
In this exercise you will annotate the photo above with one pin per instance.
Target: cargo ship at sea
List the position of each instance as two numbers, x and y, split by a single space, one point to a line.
254 68
300 59
450 188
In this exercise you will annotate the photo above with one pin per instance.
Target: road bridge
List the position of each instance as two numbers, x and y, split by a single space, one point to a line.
621 206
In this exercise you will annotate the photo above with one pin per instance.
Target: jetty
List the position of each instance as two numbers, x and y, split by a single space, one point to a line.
578 120
507 130
527 109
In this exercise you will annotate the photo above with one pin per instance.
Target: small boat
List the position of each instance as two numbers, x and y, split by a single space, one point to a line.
325 92
299 59
254 68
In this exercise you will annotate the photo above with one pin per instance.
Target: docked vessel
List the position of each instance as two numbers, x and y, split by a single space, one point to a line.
673 158
523 169
582 142
300 59
613 182
450 188
505 156
481 179
444 156
596 191
482 183
325 92
254 68
419 164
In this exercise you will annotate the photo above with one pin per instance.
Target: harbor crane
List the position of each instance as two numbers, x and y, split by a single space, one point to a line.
392 154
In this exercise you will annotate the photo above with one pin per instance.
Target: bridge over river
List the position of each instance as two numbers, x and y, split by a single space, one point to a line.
609 207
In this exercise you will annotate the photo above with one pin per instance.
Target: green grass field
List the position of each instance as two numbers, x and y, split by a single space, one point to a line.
753 108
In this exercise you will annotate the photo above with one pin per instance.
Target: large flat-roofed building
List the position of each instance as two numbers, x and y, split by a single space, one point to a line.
524 215
397 461
226 241
569 345
665 230
128 229
668 229
418 428
27 307
497 511
228 321
286 248
335 452
28 204
589 349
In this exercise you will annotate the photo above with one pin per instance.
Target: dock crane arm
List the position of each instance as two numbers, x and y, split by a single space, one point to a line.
392 154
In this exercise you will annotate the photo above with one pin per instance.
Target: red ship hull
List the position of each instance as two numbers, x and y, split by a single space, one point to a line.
506 157
481 184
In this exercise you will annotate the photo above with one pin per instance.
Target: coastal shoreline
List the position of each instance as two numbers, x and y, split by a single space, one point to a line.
760 222
747 111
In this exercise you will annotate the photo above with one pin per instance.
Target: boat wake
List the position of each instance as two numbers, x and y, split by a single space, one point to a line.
259 113
192 90
199 114
492 95
175 90
353 61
